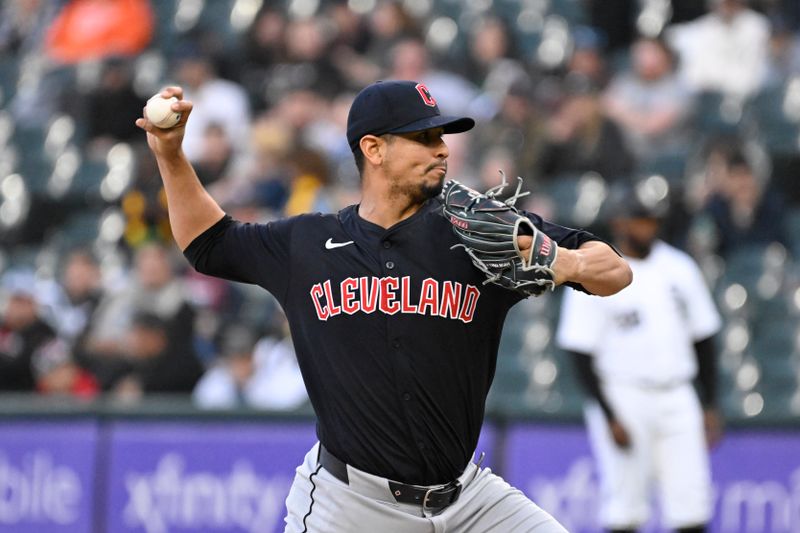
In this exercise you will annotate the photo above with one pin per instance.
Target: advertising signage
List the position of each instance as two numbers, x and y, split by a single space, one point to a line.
47 476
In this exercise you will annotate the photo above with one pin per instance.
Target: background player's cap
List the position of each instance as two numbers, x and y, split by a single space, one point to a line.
648 198
398 107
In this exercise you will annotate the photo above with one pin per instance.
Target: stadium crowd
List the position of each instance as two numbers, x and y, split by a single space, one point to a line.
695 103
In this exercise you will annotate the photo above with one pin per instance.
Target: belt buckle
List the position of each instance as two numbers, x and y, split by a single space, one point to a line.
425 498
456 485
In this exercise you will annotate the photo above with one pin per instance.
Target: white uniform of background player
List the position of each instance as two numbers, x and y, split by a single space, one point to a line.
637 353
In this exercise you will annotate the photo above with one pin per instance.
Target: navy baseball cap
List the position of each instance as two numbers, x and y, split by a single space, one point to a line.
637 201
398 107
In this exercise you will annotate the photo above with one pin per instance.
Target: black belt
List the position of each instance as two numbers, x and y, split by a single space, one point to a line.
431 497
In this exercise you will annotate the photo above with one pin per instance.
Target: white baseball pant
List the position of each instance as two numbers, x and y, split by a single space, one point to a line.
318 502
668 452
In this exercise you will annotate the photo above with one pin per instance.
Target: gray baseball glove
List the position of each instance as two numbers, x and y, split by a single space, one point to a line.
488 229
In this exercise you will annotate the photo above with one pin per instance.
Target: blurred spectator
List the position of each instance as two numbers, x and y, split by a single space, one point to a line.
264 43
213 44
305 62
155 362
113 106
725 51
495 160
262 375
277 382
649 102
268 178
153 289
225 384
519 128
57 373
216 156
784 55
305 123
409 60
783 12
743 209
494 164
22 23
263 47
216 101
309 64
216 302
145 206
307 193
587 60
350 28
707 169
582 139
24 335
328 135
350 42
300 109
493 60
82 289
24 26
390 23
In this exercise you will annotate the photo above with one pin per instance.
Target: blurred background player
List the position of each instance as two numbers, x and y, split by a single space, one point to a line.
637 354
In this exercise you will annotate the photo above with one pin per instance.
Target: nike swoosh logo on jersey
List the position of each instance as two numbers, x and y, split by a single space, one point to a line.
330 245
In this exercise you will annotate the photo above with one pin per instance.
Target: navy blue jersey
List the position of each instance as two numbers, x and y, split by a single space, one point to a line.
396 335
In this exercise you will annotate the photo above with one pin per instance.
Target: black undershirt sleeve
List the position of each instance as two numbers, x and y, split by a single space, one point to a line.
706 353
590 382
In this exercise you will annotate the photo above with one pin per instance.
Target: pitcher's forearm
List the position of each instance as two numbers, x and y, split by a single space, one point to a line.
192 210
596 266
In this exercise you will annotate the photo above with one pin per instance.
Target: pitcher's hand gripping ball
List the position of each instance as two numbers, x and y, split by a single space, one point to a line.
159 112
489 228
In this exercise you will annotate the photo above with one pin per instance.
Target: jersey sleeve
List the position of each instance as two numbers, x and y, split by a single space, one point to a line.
704 319
581 322
566 238
247 253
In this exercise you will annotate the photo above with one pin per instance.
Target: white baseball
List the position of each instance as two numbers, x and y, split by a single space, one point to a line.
160 114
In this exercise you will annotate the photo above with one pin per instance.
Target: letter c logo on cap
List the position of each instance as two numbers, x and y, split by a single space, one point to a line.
426 95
